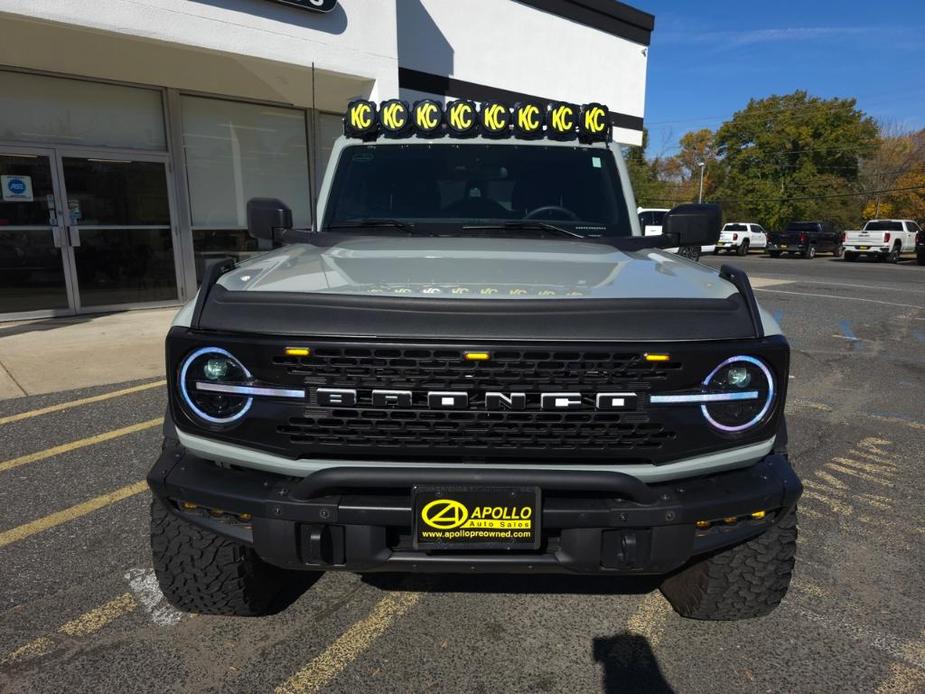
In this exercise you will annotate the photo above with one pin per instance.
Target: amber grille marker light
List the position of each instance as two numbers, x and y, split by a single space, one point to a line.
657 357
298 351
477 356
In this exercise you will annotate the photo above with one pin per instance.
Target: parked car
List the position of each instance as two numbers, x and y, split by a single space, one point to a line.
920 246
740 237
650 219
806 239
882 239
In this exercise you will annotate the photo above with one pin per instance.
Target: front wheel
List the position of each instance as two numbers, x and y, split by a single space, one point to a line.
748 580
199 571
742 248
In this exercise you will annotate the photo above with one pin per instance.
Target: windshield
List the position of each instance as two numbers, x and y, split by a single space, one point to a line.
883 226
440 188
652 218
735 227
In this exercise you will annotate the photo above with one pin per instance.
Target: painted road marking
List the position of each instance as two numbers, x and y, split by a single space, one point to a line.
650 618
83 401
94 620
144 585
80 443
840 298
27 530
319 672
86 624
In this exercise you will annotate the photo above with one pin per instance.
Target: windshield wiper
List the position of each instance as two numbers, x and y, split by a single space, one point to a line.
527 224
373 222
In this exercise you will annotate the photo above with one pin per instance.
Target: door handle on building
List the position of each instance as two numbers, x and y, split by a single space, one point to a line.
73 236
57 236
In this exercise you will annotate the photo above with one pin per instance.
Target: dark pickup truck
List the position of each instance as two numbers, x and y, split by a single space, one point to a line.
806 239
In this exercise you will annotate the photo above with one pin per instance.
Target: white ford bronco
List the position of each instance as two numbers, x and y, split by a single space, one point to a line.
474 362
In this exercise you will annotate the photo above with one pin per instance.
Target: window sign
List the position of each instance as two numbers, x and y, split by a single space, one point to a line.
16 188
312 5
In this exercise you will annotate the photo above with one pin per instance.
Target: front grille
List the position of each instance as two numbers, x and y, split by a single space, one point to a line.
415 432
478 432
435 369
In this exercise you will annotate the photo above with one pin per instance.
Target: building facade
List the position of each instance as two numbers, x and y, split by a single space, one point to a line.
133 132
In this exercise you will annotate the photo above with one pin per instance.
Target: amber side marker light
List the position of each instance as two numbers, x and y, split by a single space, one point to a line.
758 515
657 357
477 356
702 525
298 351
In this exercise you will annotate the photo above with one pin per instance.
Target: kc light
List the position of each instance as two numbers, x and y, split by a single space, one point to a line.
562 121
495 119
529 118
427 116
594 123
361 119
461 118
395 117
743 390
206 383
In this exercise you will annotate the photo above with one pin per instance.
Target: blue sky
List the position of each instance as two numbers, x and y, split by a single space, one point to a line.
708 58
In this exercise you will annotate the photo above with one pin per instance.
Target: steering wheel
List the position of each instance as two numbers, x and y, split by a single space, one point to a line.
533 214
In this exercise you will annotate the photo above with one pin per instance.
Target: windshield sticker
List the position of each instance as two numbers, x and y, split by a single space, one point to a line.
596 162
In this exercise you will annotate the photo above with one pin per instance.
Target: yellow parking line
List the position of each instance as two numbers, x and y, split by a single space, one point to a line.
349 646
83 401
23 531
86 624
94 620
80 443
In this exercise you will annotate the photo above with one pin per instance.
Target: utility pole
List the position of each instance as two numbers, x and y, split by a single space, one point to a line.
702 165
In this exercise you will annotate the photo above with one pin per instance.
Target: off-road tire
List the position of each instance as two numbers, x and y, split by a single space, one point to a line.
742 248
774 254
205 573
746 581
850 256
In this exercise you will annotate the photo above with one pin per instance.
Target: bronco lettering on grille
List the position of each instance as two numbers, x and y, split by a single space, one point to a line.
460 400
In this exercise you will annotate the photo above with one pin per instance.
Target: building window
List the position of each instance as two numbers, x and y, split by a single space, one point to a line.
57 110
234 152
330 127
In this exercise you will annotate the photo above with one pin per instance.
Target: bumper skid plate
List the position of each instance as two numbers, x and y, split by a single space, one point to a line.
361 519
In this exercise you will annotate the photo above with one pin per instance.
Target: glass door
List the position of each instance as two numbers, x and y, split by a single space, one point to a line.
35 275
118 219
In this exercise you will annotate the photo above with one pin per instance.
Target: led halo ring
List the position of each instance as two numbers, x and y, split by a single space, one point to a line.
764 410
189 401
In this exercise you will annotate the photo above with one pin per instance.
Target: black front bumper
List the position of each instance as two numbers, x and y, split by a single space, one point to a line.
359 519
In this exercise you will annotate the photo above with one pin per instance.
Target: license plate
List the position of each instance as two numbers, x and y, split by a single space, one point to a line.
471 518
863 248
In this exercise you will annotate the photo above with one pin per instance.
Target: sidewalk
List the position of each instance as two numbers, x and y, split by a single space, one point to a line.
54 354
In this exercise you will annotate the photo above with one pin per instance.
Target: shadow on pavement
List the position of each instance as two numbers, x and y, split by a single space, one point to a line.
45 324
296 583
507 583
629 665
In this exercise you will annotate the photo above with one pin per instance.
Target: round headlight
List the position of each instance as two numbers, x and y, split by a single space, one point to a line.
207 380
742 390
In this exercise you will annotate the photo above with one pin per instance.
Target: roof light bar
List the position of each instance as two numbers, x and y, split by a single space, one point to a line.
527 120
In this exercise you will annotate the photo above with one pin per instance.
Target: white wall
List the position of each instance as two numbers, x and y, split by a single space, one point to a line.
253 48
513 46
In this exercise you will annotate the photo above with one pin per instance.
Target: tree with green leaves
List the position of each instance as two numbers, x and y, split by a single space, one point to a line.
788 157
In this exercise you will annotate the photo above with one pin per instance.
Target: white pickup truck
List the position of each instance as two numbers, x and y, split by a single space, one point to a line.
883 239
741 237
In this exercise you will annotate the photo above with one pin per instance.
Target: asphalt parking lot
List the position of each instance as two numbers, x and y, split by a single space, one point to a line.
80 610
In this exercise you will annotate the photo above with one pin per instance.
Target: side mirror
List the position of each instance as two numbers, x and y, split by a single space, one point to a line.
693 225
268 218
